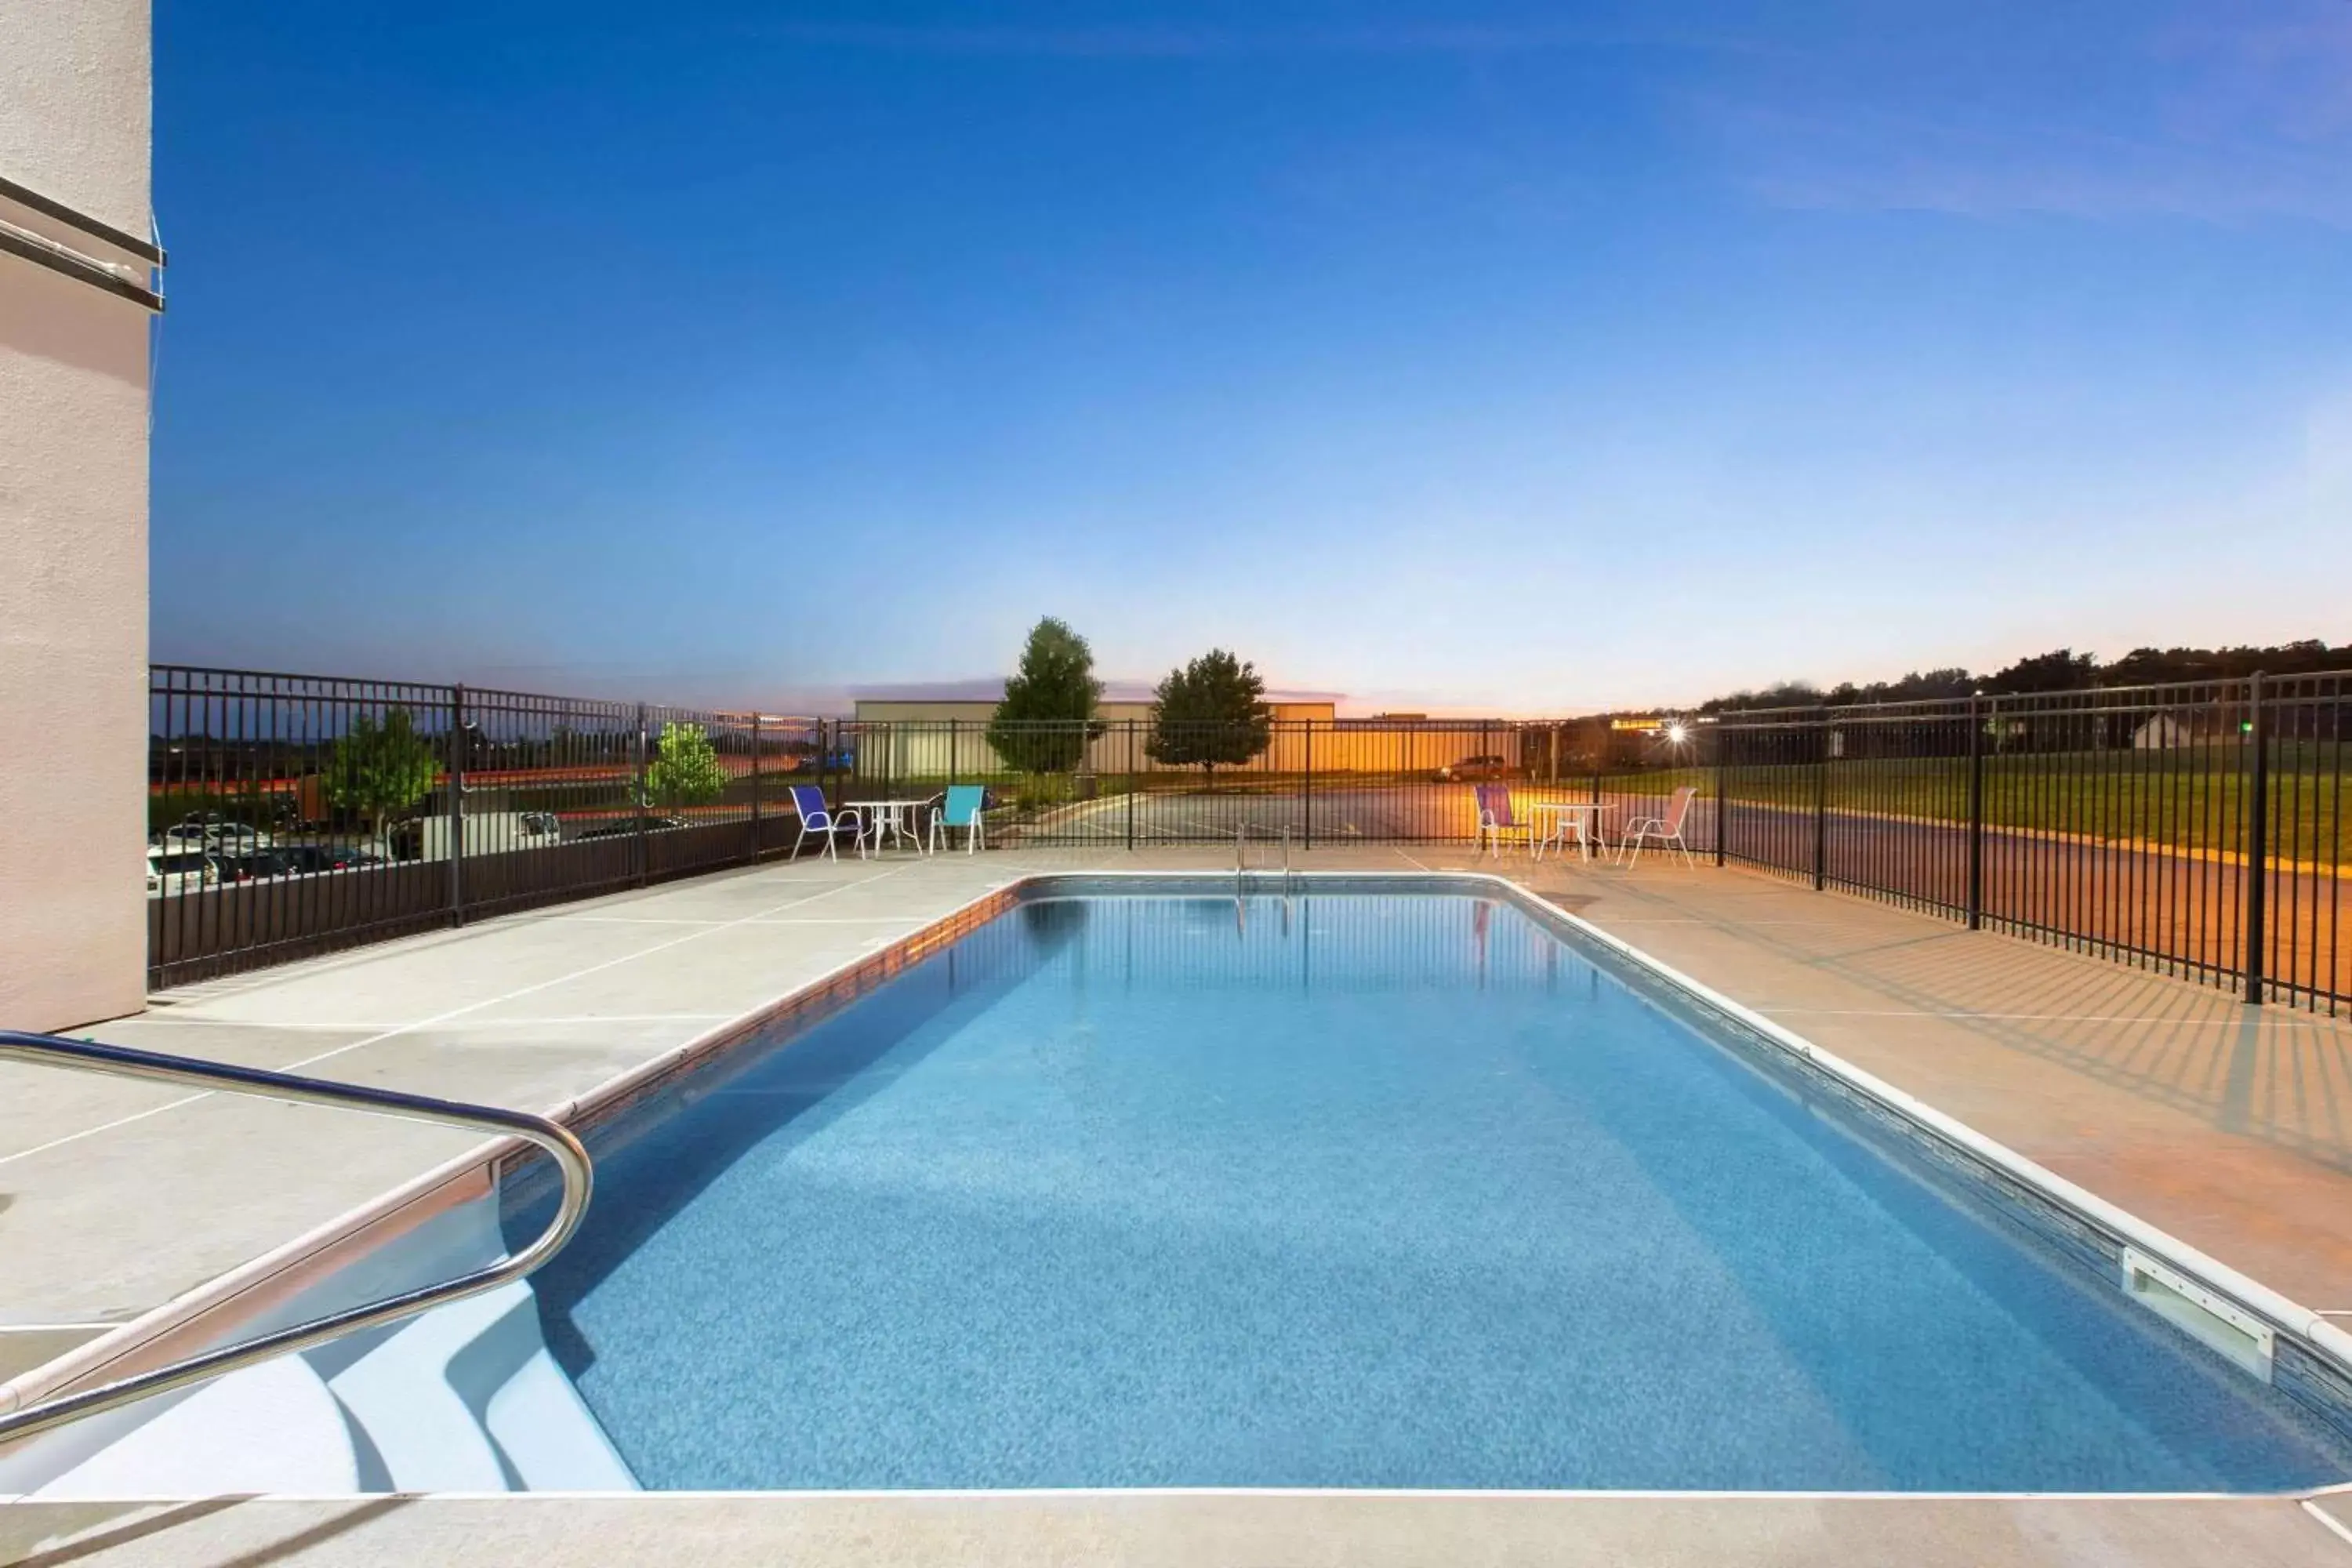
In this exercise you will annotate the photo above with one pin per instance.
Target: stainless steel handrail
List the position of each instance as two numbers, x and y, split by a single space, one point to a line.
88 1056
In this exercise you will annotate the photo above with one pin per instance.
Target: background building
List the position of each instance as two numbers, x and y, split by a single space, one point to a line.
914 734
76 281
947 737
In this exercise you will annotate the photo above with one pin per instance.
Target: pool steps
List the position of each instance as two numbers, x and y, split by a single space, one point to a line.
465 1397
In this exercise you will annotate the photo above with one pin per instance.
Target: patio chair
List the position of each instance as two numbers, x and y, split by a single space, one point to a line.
963 809
1665 828
1495 819
817 819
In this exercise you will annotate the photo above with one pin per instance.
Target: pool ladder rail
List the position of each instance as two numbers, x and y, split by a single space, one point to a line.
1241 859
121 1061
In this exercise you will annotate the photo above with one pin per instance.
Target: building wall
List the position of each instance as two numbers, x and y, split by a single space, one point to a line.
938 739
74 128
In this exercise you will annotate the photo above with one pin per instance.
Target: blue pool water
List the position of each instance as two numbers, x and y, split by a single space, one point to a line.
1358 1190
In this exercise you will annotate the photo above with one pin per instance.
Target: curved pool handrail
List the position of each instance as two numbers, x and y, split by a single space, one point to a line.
121 1061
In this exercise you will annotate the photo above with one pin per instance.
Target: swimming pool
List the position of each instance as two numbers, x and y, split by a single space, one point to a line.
1363 1187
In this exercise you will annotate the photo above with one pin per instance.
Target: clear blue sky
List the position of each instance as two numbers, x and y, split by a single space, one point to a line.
1511 357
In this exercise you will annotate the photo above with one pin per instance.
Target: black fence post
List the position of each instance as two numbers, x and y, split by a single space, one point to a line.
638 839
2258 834
1722 797
757 836
1822 808
1976 811
1131 784
458 804
1307 789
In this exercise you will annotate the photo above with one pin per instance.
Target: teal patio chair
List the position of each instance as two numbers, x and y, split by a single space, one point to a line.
963 810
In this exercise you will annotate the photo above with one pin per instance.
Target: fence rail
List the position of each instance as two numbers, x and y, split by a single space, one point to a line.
2198 828
291 814
2195 828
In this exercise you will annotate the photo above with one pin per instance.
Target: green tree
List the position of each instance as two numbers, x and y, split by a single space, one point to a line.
2062 669
684 768
1047 715
1213 710
380 768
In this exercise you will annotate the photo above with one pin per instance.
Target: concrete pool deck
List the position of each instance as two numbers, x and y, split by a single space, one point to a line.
2229 1126
1151 1530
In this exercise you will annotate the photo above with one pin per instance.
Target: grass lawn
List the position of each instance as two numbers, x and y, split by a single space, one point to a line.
2190 799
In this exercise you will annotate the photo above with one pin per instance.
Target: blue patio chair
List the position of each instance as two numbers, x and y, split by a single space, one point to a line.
963 809
816 818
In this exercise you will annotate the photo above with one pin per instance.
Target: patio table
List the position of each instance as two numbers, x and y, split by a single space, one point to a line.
892 816
1561 812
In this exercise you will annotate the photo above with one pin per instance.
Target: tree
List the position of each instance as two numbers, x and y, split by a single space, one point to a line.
684 769
1047 715
2061 669
1213 710
380 767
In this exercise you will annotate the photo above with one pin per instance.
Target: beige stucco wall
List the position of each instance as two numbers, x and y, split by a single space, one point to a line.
74 127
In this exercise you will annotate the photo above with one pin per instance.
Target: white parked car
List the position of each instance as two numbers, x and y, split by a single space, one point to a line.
173 870
213 833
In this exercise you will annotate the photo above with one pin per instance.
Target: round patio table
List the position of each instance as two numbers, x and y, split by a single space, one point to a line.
1585 814
892 816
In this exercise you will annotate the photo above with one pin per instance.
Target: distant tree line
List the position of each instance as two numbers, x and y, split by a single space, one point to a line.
2061 669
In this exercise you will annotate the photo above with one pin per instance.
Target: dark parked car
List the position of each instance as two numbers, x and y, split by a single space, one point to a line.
628 826
259 865
306 858
1476 769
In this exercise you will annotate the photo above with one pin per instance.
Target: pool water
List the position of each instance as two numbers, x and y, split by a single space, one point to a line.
1348 1190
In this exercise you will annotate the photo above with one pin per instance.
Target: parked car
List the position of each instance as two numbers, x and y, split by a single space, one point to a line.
627 827
177 871
540 826
204 832
259 865
1481 768
304 859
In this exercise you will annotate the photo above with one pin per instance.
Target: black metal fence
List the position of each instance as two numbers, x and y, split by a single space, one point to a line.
2198 828
291 814
288 814
1133 784
2195 828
